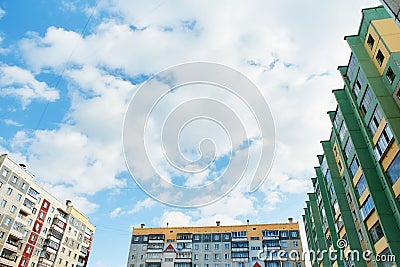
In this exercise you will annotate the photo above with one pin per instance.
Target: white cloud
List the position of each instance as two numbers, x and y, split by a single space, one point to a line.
21 83
116 213
12 122
284 51
2 13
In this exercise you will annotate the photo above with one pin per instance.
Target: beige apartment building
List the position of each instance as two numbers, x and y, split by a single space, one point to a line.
248 245
36 229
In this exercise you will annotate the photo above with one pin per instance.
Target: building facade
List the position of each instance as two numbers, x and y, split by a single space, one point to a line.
256 245
393 7
36 229
355 205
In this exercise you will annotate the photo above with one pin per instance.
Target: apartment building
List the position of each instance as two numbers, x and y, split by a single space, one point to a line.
36 229
250 245
393 7
355 205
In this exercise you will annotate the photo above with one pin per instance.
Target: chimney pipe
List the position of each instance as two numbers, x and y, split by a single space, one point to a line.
68 202
290 220
142 225
218 223
167 224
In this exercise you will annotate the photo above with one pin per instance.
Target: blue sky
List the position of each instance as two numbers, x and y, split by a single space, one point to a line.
69 68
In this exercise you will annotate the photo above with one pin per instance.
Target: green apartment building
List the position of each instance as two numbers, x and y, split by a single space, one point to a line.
356 200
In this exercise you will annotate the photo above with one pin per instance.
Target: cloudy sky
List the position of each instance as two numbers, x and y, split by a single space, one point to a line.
68 70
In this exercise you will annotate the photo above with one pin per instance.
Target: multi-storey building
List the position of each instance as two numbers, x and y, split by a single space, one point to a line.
257 245
36 229
355 205
393 7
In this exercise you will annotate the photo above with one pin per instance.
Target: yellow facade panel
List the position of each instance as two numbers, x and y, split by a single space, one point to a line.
382 48
379 131
172 231
373 218
342 232
375 36
396 188
381 245
392 42
390 155
364 196
357 176
386 27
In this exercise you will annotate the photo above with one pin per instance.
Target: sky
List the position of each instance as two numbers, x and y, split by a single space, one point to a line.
69 69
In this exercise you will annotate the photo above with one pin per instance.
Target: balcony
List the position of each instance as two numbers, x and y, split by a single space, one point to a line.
30 198
55 234
26 210
13 247
43 262
60 217
270 237
156 241
240 249
7 262
239 238
57 228
16 234
179 260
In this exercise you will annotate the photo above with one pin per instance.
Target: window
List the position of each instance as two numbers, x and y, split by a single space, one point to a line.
354 166
196 246
14 180
336 206
28 250
367 208
394 169
342 132
295 243
338 118
4 173
1 184
1 235
206 246
348 148
216 246
353 213
206 256
284 244
366 101
216 256
358 83
348 196
328 176
376 232
3 203
331 191
324 166
380 57
23 186
13 209
239 234
19 196
361 186
45 205
226 245
383 142
370 41
352 68
390 75
30 221
227 256
360 235
293 234
7 221
375 121
9 191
